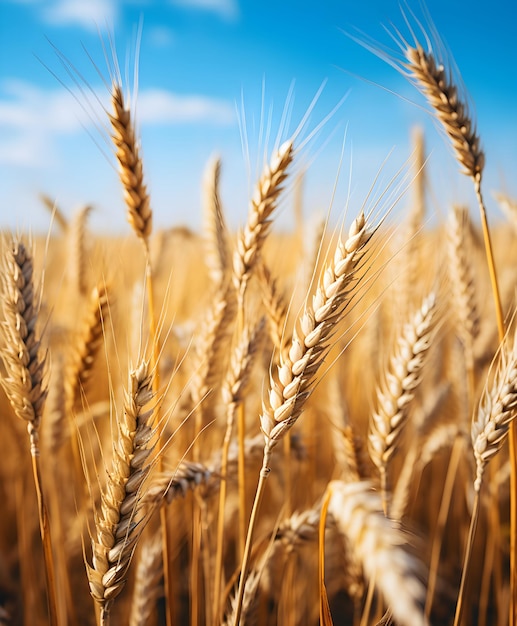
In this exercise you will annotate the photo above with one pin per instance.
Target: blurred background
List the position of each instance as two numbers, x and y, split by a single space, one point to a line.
232 77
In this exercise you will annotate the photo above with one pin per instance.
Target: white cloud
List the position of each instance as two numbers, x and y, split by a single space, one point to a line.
32 119
29 120
89 14
156 106
159 36
227 9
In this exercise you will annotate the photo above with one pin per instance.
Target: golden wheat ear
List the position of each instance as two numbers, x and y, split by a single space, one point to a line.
121 516
24 382
131 169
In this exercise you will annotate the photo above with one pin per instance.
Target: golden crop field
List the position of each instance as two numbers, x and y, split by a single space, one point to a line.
313 426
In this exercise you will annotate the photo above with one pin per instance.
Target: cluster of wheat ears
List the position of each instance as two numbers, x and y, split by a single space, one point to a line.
263 428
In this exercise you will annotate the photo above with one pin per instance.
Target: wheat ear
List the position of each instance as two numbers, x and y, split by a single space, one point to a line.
250 241
497 411
131 171
294 379
86 348
77 265
148 581
214 225
263 202
55 211
167 486
379 545
397 390
24 383
120 518
233 389
209 345
463 287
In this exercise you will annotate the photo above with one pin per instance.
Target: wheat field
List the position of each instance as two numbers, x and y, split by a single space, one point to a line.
264 427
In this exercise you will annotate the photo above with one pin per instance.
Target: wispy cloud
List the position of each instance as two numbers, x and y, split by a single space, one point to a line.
160 36
156 106
92 15
89 14
228 9
30 118
33 119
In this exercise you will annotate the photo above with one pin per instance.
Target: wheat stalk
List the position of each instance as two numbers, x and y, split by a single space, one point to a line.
263 203
23 382
234 386
379 545
131 172
86 348
121 518
167 486
497 410
463 287
397 390
148 581
214 225
293 381
77 266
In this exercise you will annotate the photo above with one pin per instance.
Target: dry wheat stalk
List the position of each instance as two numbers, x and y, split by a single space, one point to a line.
55 421
55 211
437 84
497 409
86 347
217 252
77 262
148 581
380 546
263 203
23 382
276 307
248 612
167 486
241 363
233 388
294 379
210 343
397 390
21 354
463 282
121 518
137 200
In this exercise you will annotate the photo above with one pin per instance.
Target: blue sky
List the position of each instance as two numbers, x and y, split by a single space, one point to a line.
208 68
